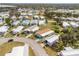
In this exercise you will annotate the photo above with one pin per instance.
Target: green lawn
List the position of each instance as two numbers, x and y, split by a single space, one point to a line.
7 47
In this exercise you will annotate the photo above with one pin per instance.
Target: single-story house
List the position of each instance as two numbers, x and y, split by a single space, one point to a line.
3 29
34 22
31 29
25 22
68 48
14 17
4 14
42 17
74 24
30 14
17 22
70 52
38 21
65 24
17 30
69 18
43 33
1 20
20 17
23 13
51 40
19 51
42 22
36 17
77 19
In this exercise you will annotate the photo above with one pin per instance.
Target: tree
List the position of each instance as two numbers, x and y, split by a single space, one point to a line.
75 15
58 46
8 21
68 14
59 14
69 37
17 14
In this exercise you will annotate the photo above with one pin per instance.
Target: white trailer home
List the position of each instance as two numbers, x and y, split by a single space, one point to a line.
52 39
31 29
17 30
1 20
70 52
3 29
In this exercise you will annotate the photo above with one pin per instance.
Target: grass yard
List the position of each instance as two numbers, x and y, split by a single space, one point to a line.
8 35
22 35
50 51
7 47
32 37
31 53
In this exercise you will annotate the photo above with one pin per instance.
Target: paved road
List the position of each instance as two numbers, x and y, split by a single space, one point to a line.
38 50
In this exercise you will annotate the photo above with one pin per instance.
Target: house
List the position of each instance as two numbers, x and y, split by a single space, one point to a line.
77 19
74 24
1 20
17 22
68 48
14 17
70 52
23 13
34 22
25 22
31 29
42 17
42 22
20 17
51 40
43 33
4 14
19 51
69 19
37 22
36 17
65 24
3 29
17 30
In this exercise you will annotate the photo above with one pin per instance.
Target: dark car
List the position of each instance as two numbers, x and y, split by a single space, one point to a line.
11 40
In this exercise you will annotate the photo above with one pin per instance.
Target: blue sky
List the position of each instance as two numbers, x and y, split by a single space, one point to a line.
39 1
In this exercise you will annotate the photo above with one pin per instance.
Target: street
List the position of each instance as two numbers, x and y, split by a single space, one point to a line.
38 50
